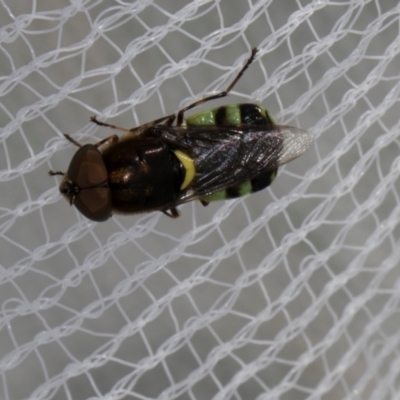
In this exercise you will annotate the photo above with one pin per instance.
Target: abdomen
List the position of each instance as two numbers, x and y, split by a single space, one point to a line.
236 115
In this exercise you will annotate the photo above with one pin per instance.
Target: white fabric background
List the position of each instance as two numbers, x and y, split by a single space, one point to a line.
291 293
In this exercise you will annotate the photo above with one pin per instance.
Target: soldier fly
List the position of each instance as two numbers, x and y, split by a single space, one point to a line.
218 154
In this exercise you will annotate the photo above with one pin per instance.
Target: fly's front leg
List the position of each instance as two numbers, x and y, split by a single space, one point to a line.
224 93
52 173
118 128
167 120
73 141
110 139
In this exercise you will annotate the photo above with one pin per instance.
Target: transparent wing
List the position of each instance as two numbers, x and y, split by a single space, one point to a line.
295 142
227 156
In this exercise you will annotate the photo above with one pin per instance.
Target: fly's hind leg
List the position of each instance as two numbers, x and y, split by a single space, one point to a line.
169 119
224 93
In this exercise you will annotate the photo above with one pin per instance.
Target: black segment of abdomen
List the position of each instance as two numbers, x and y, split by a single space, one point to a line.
251 115
220 116
262 181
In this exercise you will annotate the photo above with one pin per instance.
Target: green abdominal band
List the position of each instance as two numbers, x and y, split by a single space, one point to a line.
258 183
231 115
230 193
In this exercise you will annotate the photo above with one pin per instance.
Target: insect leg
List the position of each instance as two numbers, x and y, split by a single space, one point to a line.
169 119
73 141
112 138
118 128
224 93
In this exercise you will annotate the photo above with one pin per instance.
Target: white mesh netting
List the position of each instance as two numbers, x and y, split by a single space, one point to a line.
291 293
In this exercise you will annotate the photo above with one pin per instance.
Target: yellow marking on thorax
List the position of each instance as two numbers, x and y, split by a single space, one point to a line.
188 164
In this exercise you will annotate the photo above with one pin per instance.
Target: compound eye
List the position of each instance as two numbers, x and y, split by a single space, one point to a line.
87 168
88 174
94 203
